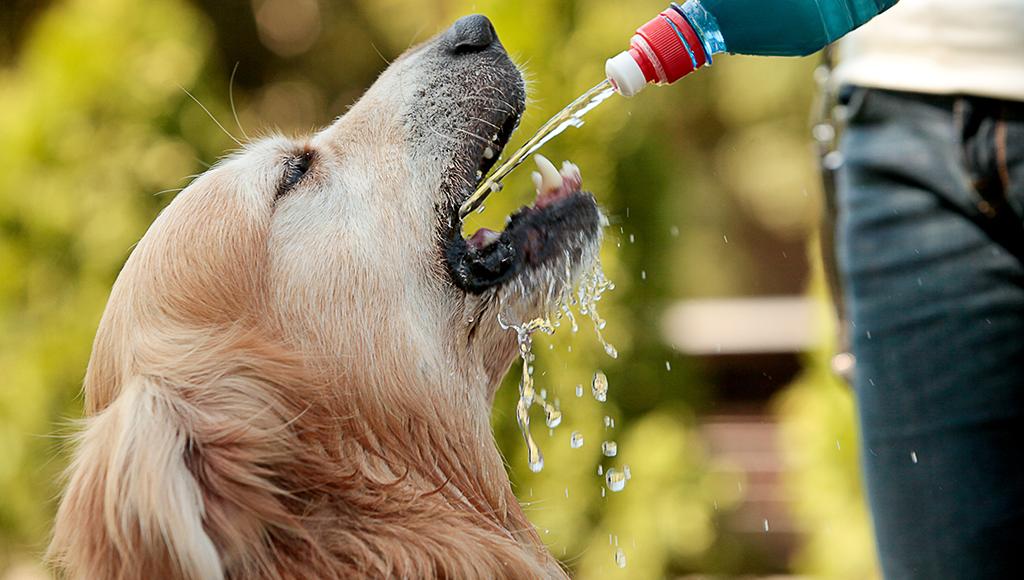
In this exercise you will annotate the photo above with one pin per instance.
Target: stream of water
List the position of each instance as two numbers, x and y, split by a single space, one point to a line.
570 116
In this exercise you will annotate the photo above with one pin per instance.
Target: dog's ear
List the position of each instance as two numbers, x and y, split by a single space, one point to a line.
133 507
174 473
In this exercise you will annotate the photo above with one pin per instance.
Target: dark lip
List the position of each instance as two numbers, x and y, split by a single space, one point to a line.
533 236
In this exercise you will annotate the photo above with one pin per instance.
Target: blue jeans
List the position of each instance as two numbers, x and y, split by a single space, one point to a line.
930 243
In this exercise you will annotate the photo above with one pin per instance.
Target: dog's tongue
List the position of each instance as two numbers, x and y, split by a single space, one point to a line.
552 184
483 238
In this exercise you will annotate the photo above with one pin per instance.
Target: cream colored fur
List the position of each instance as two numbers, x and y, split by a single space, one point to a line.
289 388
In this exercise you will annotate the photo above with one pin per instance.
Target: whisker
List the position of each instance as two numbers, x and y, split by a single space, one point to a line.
442 135
486 122
168 191
380 54
473 135
203 107
231 99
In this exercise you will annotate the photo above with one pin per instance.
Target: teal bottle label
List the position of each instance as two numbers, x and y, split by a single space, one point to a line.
777 27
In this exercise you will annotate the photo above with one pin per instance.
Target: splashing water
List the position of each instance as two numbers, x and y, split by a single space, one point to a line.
527 392
576 440
591 286
615 479
552 416
570 116
600 387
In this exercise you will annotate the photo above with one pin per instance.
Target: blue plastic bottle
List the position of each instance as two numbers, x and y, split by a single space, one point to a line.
684 38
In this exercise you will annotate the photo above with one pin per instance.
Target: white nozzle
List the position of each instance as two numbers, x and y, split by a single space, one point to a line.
625 74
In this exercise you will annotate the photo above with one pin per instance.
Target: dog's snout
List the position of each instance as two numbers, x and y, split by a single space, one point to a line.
471 34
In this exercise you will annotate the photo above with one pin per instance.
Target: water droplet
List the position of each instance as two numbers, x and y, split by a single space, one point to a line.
579 390
600 387
607 422
576 440
913 456
615 479
620 558
553 417
668 366
536 464
626 472
609 448
600 470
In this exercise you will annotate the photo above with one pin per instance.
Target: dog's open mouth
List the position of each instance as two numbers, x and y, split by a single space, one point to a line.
555 234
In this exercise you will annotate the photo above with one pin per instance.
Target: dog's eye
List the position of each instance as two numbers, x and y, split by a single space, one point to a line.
295 168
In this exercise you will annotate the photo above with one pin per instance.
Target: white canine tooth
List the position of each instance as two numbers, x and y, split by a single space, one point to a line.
551 179
488 153
538 181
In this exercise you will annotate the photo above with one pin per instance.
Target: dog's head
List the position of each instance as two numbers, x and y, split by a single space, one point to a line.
333 262
364 228
348 243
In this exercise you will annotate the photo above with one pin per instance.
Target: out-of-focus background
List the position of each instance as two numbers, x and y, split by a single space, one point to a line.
741 444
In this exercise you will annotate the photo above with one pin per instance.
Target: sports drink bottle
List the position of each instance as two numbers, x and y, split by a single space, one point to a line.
685 37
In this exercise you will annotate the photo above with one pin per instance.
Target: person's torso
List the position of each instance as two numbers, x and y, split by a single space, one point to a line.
973 47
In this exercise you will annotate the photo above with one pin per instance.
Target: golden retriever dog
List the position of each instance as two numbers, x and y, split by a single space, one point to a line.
294 372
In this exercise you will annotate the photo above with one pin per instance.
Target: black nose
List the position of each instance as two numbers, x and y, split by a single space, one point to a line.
471 34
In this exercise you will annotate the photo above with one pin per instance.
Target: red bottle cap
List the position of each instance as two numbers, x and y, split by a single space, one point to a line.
663 50
669 46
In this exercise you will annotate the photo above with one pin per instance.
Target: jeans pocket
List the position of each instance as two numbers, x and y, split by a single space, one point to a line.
852 98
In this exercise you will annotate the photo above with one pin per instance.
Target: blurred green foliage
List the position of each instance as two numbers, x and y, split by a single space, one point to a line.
820 448
700 180
92 123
